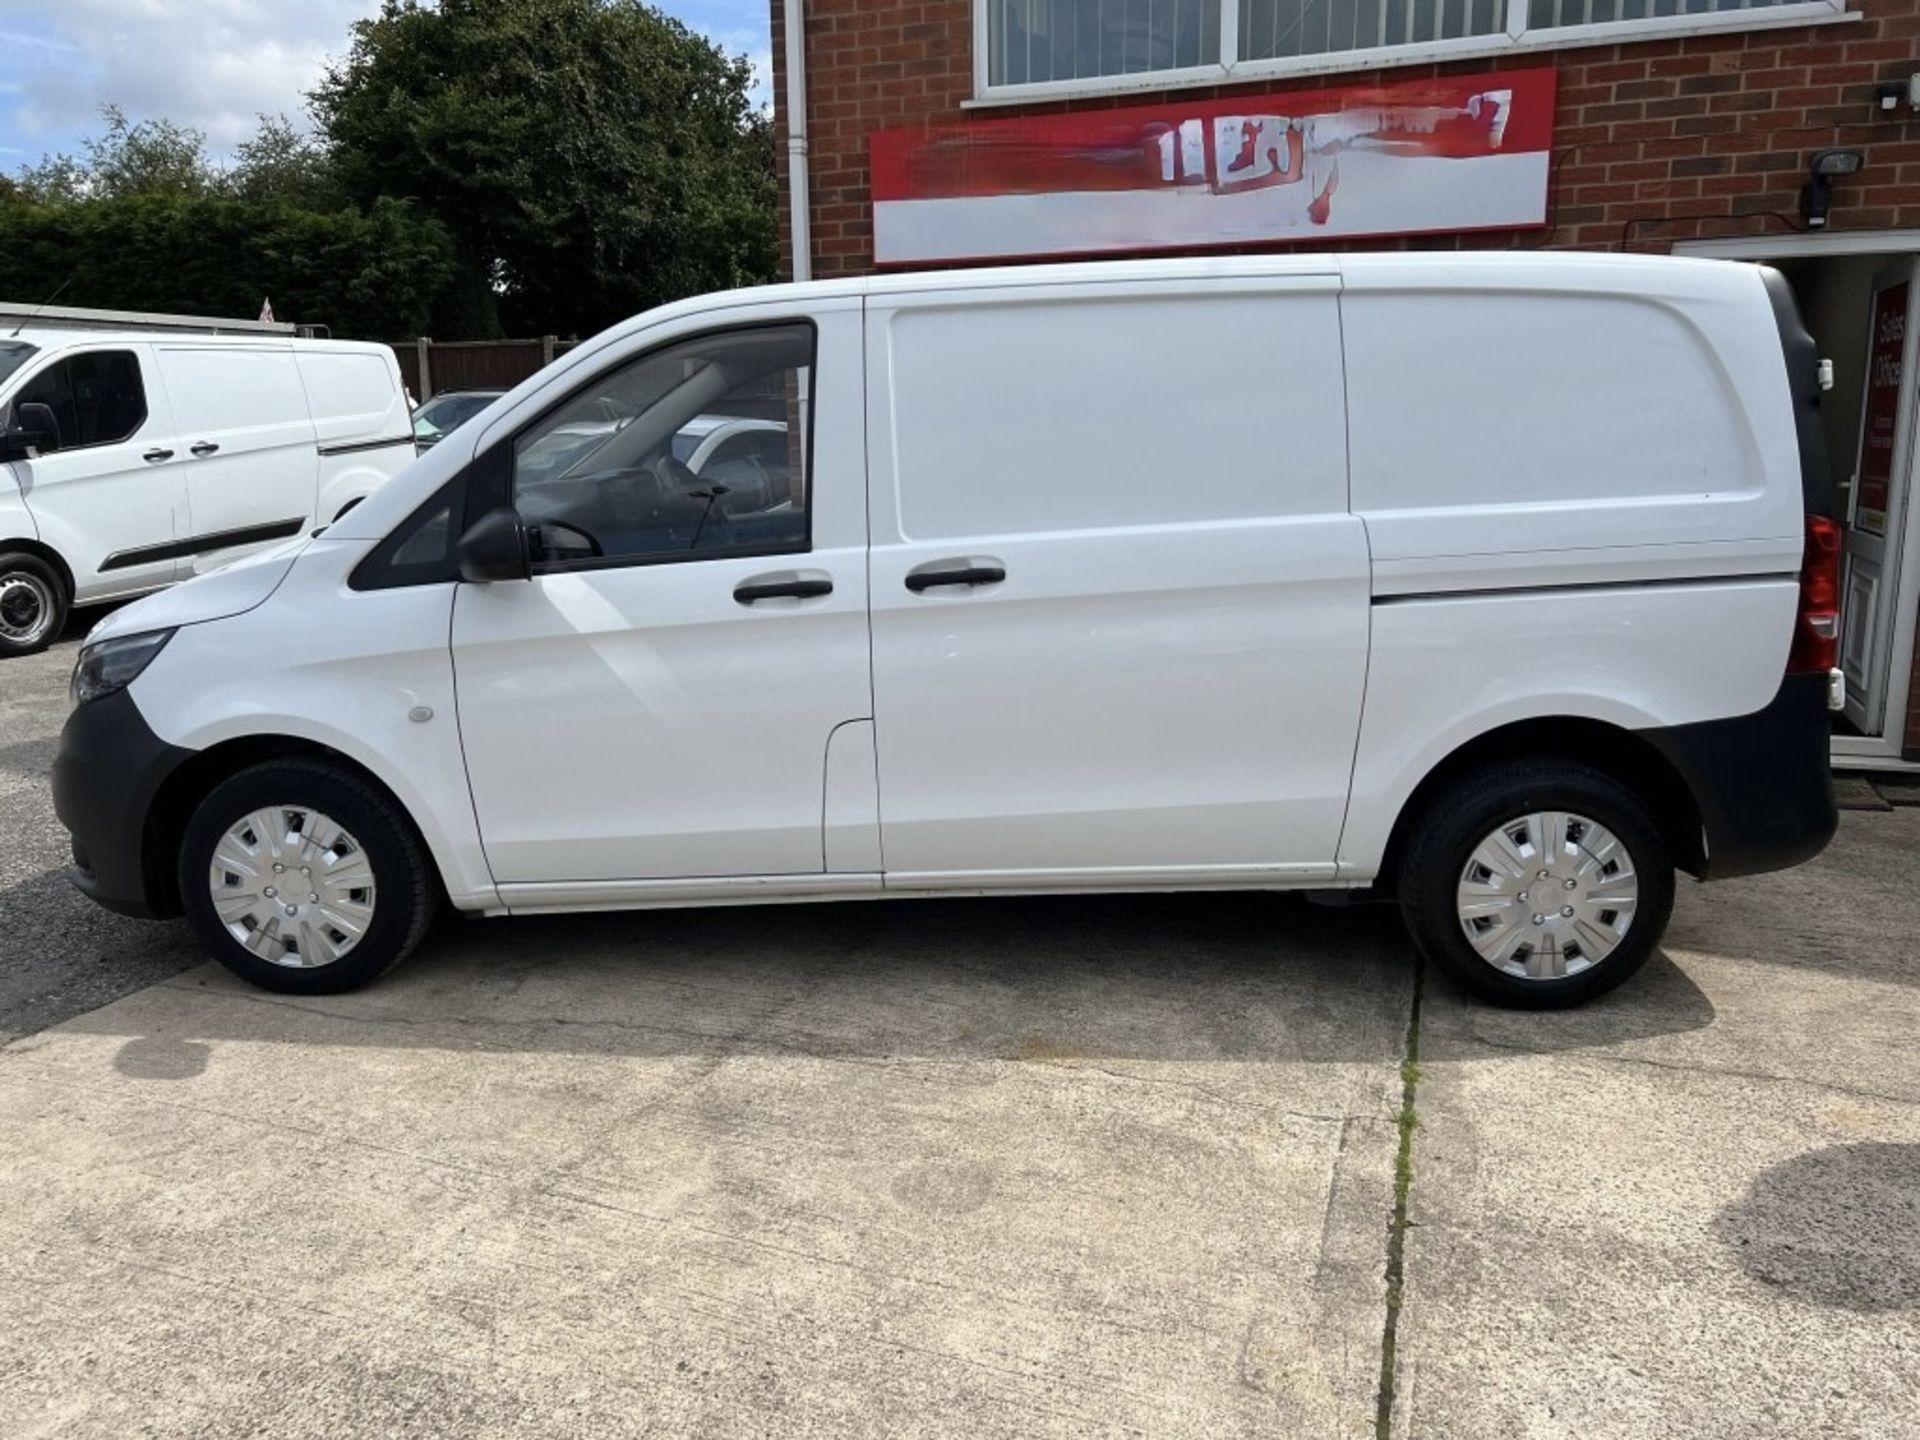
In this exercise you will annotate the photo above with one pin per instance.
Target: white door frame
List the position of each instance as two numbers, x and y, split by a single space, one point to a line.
1879 752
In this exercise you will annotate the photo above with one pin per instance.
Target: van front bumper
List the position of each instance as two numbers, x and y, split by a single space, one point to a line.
1763 783
106 773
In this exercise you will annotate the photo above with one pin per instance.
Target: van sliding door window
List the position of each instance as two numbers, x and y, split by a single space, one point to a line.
690 452
97 398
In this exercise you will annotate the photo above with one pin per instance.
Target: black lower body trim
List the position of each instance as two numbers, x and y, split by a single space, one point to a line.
1763 782
201 544
108 769
356 447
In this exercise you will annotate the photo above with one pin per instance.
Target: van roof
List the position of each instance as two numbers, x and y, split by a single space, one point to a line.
1604 270
67 337
1562 270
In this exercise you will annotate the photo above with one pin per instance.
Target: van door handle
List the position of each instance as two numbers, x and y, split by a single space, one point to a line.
982 571
783 585
204 447
154 457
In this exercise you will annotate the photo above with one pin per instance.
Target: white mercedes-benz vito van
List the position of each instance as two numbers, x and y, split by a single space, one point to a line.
129 460
1499 585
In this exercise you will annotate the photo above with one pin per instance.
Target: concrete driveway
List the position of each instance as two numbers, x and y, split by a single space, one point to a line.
1012 1167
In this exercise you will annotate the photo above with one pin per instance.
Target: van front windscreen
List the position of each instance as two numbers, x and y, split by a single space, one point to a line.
14 354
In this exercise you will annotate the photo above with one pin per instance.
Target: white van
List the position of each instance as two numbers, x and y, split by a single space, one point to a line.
129 461
1499 585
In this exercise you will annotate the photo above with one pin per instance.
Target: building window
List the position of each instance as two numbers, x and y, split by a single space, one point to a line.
1068 46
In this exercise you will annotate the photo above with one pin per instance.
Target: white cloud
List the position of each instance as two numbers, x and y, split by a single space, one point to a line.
215 65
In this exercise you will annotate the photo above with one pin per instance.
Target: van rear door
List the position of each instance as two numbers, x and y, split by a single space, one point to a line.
246 443
1119 604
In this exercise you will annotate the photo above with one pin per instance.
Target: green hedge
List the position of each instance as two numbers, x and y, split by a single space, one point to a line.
372 274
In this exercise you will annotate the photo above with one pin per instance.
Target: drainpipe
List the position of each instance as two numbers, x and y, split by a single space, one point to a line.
798 196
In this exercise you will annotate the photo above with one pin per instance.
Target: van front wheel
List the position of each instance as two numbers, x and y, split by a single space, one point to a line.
303 878
33 604
1537 883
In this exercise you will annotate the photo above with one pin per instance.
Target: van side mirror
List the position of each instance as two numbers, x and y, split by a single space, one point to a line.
35 431
495 548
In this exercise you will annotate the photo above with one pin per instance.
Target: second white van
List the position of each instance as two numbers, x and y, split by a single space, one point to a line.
1503 587
130 461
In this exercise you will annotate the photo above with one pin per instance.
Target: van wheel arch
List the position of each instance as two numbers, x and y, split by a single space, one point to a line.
43 552
182 791
1620 754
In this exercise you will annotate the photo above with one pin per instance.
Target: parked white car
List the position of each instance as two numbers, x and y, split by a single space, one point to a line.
1488 583
130 461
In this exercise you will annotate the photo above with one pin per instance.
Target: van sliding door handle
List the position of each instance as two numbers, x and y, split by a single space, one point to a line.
983 571
205 447
783 585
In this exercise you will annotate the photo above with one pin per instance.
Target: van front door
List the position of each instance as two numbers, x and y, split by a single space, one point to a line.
246 445
111 501
660 702
1877 501
1120 607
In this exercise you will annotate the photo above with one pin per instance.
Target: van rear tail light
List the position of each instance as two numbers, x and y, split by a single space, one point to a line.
1816 630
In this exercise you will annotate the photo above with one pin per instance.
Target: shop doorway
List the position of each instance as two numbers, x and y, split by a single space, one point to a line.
1860 297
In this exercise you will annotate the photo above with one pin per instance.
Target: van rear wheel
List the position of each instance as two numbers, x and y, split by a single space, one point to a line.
303 878
1537 884
33 604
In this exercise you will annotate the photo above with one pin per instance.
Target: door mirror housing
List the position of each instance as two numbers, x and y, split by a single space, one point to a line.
35 431
495 548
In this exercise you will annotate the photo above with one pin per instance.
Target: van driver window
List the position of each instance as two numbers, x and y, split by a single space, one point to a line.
96 398
693 451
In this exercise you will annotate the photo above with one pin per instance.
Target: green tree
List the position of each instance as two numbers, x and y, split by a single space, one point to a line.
284 164
591 158
375 274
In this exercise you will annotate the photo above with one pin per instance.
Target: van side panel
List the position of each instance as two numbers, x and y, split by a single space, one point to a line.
360 420
16 521
1508 425
1446 671
1582 491
379 658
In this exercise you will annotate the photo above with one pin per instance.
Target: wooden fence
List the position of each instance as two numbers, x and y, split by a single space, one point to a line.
431 366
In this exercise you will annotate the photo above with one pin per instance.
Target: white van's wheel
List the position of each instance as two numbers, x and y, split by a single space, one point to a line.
33 604
303 878
1537 883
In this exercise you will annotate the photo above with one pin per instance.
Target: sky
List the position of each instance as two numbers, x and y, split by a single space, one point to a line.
214 65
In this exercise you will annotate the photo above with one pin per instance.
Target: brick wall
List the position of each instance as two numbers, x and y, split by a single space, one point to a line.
1654 141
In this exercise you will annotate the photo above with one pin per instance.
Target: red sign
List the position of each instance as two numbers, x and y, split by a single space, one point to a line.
1886 357
1461 153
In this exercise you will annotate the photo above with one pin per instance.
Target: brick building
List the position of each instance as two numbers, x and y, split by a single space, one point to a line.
955 131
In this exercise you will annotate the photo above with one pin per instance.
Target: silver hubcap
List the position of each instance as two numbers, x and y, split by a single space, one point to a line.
26 608
1547 895
292 886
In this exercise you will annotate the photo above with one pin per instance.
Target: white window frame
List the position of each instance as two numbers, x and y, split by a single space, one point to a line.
1517 39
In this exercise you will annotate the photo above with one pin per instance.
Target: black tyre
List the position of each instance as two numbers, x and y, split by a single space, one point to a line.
303 878
1537 883
33 604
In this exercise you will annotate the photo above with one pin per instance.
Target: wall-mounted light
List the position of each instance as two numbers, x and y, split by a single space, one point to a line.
1816 196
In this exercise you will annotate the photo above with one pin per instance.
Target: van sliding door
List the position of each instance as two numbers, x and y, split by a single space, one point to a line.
1119 605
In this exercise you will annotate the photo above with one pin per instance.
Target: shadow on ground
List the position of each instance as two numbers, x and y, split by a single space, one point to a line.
1661 1000
1839 1226
1172 977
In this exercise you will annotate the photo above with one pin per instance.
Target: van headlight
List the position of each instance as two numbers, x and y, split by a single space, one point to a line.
114 664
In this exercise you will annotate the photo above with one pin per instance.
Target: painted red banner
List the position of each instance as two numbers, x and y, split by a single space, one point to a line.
1886 356
1461 153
